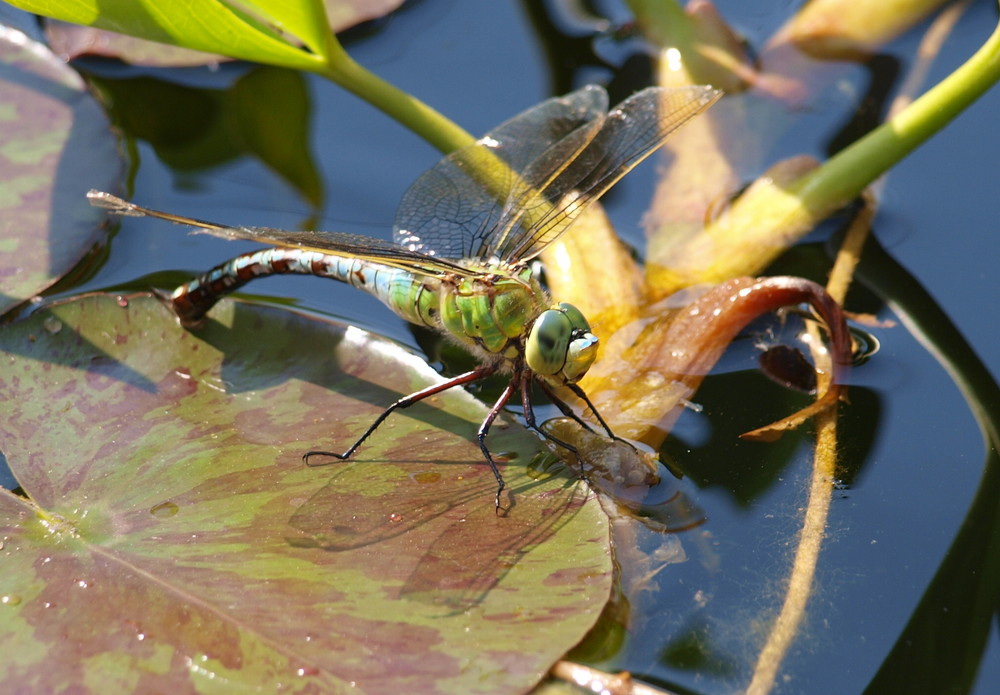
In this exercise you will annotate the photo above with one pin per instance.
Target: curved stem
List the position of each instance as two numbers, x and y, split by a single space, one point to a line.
429 124
846 174
773 214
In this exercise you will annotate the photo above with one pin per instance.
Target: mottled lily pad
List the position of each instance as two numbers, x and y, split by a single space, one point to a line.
56 145
175 541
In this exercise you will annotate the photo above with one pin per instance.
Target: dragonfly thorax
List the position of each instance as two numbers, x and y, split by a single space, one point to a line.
560 344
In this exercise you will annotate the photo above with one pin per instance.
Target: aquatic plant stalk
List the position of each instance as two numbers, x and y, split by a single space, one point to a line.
821 484
759 227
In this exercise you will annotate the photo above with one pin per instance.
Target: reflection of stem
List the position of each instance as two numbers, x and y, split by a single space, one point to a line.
800 581
930 47
942 645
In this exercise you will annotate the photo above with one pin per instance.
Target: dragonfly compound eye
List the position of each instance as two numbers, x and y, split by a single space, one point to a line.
560 342
581 354
582 349
548 342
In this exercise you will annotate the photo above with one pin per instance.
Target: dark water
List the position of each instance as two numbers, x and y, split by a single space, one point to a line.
913 452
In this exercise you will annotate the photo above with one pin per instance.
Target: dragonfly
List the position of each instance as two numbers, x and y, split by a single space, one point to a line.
464 235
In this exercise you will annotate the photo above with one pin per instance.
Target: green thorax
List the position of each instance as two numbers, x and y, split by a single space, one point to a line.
491 310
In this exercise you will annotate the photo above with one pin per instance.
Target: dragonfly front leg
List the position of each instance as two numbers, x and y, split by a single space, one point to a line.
568 411
565 407
405 402
582 395
529 414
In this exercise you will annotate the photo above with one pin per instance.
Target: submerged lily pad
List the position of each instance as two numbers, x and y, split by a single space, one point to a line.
179 543
56 144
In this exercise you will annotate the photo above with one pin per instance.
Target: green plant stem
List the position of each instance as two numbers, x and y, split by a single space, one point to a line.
845 175
774 214
429 124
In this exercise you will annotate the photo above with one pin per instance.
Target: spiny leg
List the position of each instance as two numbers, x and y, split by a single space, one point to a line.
565 407
484 428
568 411
405 402
529 413
581 394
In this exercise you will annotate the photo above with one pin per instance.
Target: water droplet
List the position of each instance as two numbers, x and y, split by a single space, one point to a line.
164 510
395 518
82 583
52 324
307 671
122 301
10 600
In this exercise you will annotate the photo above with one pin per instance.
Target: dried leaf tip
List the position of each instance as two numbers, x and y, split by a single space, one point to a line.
100 199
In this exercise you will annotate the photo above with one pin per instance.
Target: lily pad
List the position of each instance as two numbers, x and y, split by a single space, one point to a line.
174 540
57 143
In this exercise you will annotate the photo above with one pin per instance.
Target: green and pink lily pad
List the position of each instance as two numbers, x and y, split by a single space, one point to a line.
173 540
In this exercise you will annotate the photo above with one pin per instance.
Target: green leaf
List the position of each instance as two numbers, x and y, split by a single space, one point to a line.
208 25
56 144
73 40
305 19
215 27
176 542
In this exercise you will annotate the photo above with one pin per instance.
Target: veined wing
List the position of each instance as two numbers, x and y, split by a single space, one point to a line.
631 132
340 244
451 212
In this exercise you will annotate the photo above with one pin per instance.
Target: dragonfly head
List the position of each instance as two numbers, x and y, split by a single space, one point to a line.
560 344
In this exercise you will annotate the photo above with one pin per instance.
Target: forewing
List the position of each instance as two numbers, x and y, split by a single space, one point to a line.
333 243
455 211
340 244
631 132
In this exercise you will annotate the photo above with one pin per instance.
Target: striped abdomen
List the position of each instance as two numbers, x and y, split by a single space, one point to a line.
488 310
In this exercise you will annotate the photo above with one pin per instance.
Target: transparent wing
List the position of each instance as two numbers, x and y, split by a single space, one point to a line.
561 156
557 158
631 132
351 245
449 212
340 244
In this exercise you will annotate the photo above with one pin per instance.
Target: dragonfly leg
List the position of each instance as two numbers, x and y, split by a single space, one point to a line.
564 407
582 395
484 429
529 415
406 401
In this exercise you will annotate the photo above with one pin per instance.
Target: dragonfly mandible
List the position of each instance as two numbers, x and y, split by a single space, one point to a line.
463 240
